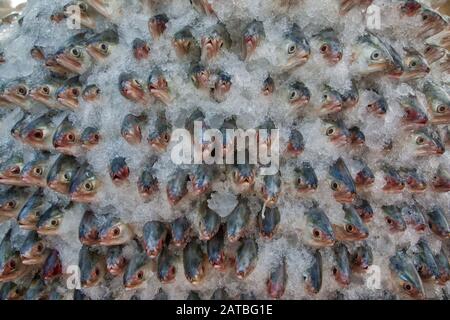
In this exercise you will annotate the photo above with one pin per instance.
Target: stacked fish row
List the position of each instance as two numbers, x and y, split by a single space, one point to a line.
48 124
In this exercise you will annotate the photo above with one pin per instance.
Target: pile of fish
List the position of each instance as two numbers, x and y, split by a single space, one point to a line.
93 207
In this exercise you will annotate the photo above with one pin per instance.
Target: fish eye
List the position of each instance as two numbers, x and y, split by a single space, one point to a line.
166 137
39 247
54 223
334 185
104 47
67 176
75 52
11 204
407 287
97 271
375 56
70 137
116 231
330 131
334 270
75 92
89 186
441 109
316 233
424 17
45 90
137 83
325 97
324 48
22 91
37 171
293 95
292 48
420 140
140 275
38 134
413 63
12 264
389 220
349 228
428 49
37 213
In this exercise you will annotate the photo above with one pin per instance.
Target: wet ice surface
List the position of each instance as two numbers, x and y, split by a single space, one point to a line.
252 108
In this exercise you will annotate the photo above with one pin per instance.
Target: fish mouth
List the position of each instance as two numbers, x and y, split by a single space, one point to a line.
88 22
142 52
15 181
58 187
157 28
30 180
133 92
438 120
13 99
161 94
133 286
300 59
195 279
47 232
174 199
70 64
210 48
28 261
249 47
182 47
82 198
300 102
25 225
344 197
115 270
377 67
331 107
94 53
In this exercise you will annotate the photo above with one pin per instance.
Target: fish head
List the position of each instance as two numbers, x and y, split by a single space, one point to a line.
298 94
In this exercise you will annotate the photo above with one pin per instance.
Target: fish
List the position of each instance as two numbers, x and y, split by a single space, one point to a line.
296 143
222 86
85 185
50 221
37 289
433 53
414 180
11 266
11 291
438 223
414 115
194 262
16 130
45 94
177 187
347 5
393 217
238 221
180 230
137 272
243 175
342 184
414 217
268 87
186 46
131 128
160 137
352 227
39 132
35 172
114 232
416 66
312 276
69 93
330 47
52 268
74 56
166 267
423 260
89 229
62 173
12 201
154 237
148 183
11 170
357 137
379 106
92 267
427 142
330 102
337 132
318 231
100 46
294 50
157 25
271 189
209 222
141 49
90 137
32 210
393 181
443 266
405 276
362 258
119 171
17 92
350 97
91 93
215 249
364 209
278 277
66 138
432 23
203 6
371 55
441 180
305 178
298 94
115 260
158 86
438 102
33 249
252 37
132 88
216 39
268 222
246 258
341 267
